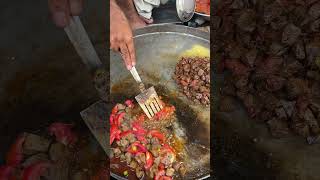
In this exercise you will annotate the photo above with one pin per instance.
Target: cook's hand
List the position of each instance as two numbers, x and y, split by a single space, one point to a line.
62 10
121 38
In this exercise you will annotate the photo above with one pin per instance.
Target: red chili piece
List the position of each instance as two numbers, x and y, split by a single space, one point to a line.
141 118
161 167
138 130
125 133
136 147
111 119
15 156
114 133
114 109
142 139
63 133
165 112
34 171
118 118
159 174
129 103
165 178
149 160
6 173
158 135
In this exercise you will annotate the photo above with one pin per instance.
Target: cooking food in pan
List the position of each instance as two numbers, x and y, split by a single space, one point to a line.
148 146
192 74
59 153
203 6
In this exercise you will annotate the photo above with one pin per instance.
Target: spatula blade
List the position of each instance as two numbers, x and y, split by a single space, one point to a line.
149 102
96 119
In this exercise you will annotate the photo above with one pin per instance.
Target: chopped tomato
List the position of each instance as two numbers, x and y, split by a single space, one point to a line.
63 133
15 155
141 118
34 171
129 103
142 139
167 147
138 129
161 167
114 109
114 133
136 147
159 174
149 160
165 178
125 133
111 119
167 154
158 135
118 118
165 112
6 173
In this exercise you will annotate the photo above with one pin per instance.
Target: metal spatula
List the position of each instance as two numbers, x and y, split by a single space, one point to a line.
147 99
94 116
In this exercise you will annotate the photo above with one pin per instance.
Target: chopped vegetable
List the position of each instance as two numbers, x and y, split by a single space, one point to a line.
114 110
118 118
159 174
6 173
165 178
141 145
114 133
63 133
15 156
34 171
129 103
149 160
136 147
157 134
125 173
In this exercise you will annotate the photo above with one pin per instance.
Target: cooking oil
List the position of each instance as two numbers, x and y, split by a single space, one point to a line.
196 51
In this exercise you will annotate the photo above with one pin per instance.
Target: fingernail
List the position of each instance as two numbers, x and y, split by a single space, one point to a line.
60 19
129 67
134 64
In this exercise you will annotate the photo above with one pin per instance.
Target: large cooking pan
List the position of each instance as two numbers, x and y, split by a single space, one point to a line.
157 50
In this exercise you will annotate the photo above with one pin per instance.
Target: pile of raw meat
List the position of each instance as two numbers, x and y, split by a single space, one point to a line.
192 74
272 50
144 145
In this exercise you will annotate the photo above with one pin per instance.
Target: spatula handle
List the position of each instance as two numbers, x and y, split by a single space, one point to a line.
136 77
81 42
135 74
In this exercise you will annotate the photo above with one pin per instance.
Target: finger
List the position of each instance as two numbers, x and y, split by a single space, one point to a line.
114 43
76 7
132 52
60 12
114 46
125 55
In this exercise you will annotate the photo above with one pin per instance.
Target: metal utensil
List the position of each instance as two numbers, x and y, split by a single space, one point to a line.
202 15
81 42
147 99
95 115
185 9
